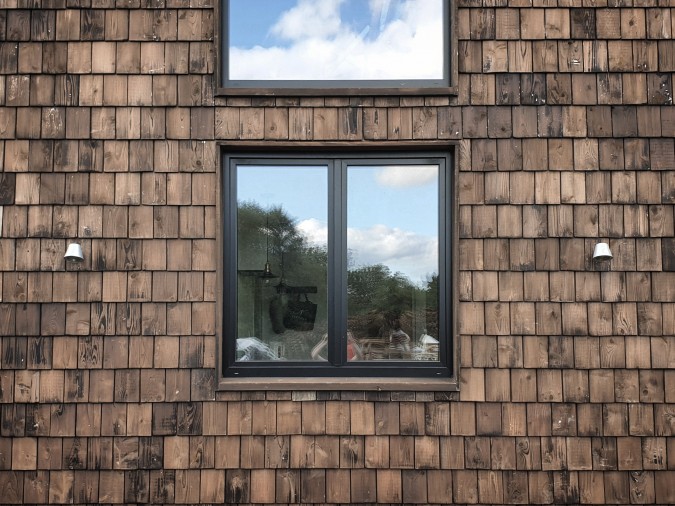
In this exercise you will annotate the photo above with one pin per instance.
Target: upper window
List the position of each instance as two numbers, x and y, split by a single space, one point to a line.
337 266
335 44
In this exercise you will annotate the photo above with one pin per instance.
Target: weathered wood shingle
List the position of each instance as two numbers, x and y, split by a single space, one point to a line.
563 128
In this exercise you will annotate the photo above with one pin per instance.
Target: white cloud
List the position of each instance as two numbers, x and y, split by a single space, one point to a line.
406 176
322 47
323 14
314 231
414 255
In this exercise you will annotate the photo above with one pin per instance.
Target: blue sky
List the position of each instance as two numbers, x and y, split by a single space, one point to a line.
395 206
251 20
302 191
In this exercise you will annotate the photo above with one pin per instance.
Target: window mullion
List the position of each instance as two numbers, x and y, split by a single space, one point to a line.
337 263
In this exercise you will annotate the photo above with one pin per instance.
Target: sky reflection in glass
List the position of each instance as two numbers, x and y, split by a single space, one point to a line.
392 210
336 39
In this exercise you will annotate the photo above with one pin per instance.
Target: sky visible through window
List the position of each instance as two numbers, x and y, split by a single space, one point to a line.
392 210
335 39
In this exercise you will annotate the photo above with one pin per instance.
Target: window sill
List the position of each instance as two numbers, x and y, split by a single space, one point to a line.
335 92
376 384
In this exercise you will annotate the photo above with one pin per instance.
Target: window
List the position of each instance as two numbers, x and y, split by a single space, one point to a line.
335 44
337 265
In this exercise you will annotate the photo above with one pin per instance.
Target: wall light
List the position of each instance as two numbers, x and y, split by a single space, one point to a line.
602 252
74 253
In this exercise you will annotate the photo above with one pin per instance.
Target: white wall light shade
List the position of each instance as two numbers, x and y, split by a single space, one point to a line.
602 252
74 253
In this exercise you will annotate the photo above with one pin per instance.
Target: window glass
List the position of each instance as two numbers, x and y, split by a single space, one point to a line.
282 245
392 248
328 43
337 265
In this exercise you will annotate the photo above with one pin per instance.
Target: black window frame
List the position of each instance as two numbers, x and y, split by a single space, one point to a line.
337 163
447 85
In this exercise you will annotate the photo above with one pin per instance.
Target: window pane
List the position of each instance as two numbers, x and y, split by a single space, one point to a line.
281 262
393 262
339 40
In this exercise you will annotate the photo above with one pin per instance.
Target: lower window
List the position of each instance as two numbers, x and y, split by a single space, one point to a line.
337 265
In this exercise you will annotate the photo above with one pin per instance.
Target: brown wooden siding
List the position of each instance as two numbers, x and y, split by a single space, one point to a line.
564 128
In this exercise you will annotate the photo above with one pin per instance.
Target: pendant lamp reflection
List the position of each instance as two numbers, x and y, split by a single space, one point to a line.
267 270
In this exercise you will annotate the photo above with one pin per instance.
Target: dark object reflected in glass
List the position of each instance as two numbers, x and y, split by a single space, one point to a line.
300 314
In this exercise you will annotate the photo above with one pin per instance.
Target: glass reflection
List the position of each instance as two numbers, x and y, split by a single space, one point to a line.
335 40
281 262
392 255
393 262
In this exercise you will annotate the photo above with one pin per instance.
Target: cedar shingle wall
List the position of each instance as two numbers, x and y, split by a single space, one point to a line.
565 131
